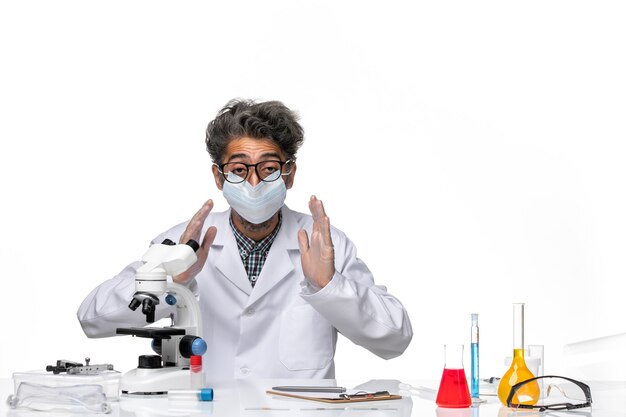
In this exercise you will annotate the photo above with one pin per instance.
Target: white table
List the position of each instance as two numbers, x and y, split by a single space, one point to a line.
247 398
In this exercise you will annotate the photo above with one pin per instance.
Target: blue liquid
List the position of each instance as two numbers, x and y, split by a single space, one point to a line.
474 375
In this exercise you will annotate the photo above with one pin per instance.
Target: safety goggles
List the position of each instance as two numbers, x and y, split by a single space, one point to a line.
558 393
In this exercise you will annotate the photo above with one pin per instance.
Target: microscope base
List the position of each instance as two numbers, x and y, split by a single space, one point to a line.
155 381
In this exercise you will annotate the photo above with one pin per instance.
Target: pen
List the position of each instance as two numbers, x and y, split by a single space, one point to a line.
308 388
347 408
376 394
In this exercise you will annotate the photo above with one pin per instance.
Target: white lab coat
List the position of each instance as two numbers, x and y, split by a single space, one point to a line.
281 328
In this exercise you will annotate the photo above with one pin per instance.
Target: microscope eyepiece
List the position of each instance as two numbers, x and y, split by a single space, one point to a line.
194 245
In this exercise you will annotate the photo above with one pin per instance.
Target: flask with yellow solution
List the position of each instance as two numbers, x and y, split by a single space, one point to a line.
518 372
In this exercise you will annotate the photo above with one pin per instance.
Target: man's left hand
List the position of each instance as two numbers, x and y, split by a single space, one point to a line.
318 254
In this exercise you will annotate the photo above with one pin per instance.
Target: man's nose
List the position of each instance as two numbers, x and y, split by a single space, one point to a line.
253 178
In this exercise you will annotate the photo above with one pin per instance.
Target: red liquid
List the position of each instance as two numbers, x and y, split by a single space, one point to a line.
453 391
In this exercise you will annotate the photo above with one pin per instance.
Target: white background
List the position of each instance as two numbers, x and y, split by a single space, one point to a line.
473 150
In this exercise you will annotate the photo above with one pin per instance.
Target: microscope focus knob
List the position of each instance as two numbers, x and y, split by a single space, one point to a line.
149 362
170 299
192 346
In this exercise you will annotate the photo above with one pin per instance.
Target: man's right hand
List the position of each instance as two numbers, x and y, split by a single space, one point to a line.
193 230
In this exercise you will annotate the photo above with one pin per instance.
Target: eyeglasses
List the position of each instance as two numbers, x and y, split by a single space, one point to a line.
267 171
561 393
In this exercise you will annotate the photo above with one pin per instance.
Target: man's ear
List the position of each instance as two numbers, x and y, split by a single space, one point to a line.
219 179
290 177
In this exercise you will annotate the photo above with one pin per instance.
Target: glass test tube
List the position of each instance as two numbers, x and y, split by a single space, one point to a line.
195 372
202 394
475 378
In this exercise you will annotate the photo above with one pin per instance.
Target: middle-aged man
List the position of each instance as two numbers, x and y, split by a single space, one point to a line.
274 285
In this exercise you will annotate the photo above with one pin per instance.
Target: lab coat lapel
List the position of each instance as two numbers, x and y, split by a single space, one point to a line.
229 261
278 264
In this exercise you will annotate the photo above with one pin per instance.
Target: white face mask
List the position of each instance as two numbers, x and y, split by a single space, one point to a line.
255 204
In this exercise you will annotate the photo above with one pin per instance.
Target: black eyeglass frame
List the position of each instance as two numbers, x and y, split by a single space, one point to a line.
289 162
560 406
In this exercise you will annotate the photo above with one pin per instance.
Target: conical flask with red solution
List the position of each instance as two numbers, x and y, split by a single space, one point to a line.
453 390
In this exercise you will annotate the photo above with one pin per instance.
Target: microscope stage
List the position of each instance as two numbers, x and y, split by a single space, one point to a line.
152 332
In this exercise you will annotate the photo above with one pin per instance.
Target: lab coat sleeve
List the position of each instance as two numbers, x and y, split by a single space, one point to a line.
360 310
106 307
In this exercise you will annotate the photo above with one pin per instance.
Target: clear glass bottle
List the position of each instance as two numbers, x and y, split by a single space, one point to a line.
518 371
195 372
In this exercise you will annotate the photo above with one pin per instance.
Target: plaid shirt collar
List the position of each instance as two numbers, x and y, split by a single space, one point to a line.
244 243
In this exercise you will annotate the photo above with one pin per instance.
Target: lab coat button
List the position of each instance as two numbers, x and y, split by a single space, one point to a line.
249 312
245 370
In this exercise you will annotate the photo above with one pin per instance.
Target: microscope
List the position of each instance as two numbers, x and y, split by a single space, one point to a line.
176 344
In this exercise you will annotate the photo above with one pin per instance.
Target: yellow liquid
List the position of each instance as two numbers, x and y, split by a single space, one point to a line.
518 372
